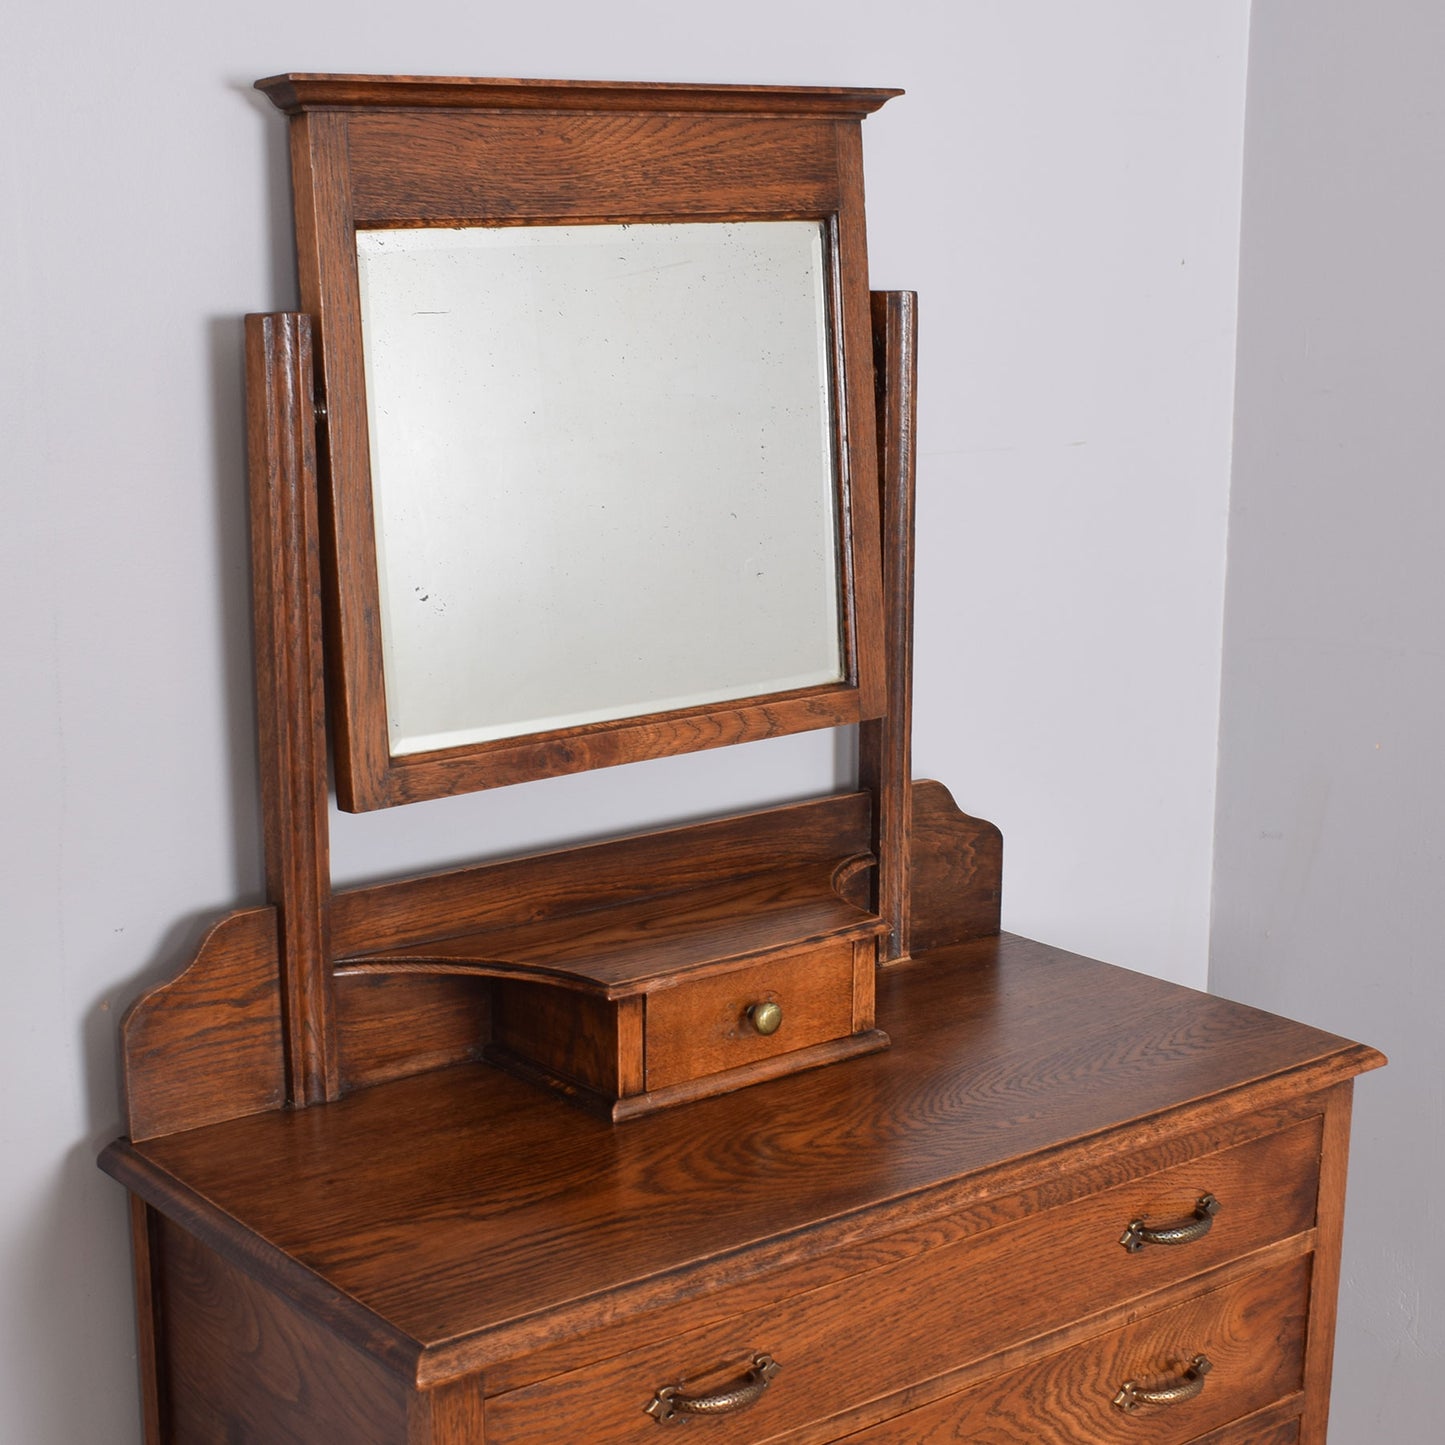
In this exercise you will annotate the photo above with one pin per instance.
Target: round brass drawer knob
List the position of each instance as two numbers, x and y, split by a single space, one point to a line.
766 1018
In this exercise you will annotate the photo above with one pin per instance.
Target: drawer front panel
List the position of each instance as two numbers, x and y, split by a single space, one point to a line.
1252 1333
1268 1429
702 1026
871 1335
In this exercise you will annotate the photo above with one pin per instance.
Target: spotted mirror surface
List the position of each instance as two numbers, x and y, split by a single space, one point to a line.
604 471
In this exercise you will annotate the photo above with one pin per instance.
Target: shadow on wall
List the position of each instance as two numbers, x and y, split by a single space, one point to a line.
226 338
77 1342
226 344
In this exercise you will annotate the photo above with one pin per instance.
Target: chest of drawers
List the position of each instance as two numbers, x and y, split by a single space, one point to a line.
1070 1204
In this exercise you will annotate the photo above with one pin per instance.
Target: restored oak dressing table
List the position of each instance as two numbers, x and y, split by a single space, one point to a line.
750 1130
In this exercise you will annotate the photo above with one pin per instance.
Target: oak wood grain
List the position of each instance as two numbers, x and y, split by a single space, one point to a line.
1252 1332
1274 1425
873 1336
579 1038
421 167
290 689
451 1414
885 765
148 1352
514 892
617 1108
208 1044
696 1028
1009 1057
391 1025
643 945
861 549
757 1071
416 777
863 1252
1319 1361
999 1365
865 990
956 871
244 1365
690 951
330 296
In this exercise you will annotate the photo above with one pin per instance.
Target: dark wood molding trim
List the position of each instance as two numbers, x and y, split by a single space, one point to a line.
298 92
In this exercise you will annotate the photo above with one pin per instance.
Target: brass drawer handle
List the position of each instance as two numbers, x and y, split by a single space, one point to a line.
1186 1231
766 1018
671 1404
1190 1384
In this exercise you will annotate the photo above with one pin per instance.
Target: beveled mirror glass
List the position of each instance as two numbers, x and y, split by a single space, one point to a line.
603 468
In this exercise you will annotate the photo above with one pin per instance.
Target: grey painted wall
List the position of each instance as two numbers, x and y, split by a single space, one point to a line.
1328 897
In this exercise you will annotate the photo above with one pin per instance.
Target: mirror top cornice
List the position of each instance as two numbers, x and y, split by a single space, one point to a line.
298 92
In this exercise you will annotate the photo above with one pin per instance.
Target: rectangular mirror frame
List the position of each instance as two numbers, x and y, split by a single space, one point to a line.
370 153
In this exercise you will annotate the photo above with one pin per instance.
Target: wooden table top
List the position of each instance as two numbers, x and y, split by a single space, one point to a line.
464 1213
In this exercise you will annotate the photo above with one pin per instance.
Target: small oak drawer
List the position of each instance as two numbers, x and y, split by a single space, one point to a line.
882 1331
775 1006
1172 1377
696 1031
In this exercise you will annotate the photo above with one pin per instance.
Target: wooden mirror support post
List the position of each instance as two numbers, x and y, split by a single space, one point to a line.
290 690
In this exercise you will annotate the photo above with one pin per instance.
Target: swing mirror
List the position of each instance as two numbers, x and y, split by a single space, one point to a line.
602 479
